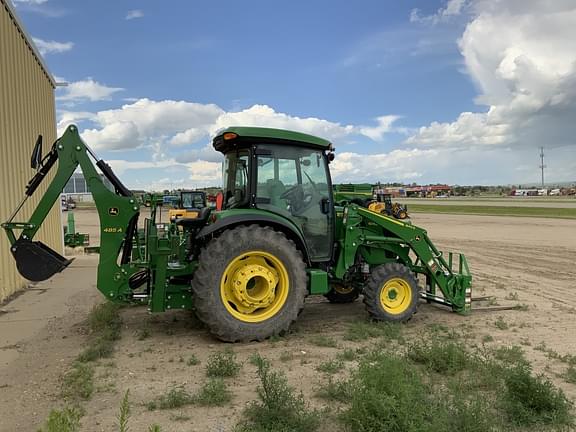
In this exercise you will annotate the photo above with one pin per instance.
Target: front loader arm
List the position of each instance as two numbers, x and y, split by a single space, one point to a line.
372 231
117 210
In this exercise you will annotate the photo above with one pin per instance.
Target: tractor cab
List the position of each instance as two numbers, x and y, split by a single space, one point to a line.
284 174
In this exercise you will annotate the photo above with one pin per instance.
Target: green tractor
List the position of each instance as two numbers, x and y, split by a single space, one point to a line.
247 267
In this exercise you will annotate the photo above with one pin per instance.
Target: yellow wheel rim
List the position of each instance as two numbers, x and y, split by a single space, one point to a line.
343 289
395 296
254 286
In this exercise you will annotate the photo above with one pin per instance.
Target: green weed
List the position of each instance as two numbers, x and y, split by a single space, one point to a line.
501 324
286 356
334 390
192 360
124 414
323 341
278 408
512 355
530 400
570 375
176 397
330 366
105 326
347 355
444 357
65 420
487 338
512 296
213 393
78 383
222 364
362 330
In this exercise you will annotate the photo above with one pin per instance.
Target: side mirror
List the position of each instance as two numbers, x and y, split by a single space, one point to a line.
36 159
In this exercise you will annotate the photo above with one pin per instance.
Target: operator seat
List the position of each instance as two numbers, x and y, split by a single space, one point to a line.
197 222
275 188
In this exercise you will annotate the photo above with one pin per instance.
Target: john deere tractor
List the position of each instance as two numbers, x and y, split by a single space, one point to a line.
247 267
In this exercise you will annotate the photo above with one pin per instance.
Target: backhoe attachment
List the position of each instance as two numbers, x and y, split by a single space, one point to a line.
36 261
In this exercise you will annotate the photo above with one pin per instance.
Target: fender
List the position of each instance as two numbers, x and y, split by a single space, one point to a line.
275 221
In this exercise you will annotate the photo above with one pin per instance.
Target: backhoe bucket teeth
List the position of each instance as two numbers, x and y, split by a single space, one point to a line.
36 261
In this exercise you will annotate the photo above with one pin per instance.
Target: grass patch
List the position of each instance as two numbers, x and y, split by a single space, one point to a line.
330 366
278 408
334 390
501 324
389 392
347 355
512 355
546 212
192 360
222 364
443 357
363 330
487 338
65 420
570 375
530 400
512 296
286 356
143 334
105 325
78 382
550 353
323 341
176 397
213 393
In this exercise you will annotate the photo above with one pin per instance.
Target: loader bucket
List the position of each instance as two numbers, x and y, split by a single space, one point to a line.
36 261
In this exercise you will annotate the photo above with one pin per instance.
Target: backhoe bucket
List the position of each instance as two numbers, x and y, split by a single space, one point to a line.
36 261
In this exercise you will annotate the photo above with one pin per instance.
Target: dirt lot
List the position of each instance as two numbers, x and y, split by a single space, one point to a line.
530 261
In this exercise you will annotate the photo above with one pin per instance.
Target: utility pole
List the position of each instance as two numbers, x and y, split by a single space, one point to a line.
542 166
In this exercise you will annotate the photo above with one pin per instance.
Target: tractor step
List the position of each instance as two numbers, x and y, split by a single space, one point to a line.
36 261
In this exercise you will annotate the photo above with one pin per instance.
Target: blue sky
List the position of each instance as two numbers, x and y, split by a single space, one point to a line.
408 91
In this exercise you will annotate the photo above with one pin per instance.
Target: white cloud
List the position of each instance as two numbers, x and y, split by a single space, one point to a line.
86 90
66 118
120 166
521 56
376 133
150 123
49 47
265 116
453 8
161 124
135 13
204 171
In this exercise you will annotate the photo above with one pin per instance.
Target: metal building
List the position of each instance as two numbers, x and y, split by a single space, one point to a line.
26 110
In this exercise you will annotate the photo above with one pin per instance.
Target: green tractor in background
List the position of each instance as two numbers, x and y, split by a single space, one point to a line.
247 267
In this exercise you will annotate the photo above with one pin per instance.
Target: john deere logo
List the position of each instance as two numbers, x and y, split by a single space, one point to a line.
113 211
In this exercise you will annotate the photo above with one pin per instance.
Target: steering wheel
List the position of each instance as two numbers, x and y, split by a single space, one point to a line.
300 197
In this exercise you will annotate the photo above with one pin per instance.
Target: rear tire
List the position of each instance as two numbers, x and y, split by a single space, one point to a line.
391 293
247 266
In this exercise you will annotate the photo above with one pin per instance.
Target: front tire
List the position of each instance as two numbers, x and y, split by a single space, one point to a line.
250 284
341 293
391 293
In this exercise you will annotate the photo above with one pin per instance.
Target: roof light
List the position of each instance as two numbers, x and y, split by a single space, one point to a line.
230 136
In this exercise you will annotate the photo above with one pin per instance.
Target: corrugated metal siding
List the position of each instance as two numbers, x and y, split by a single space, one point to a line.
26 110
